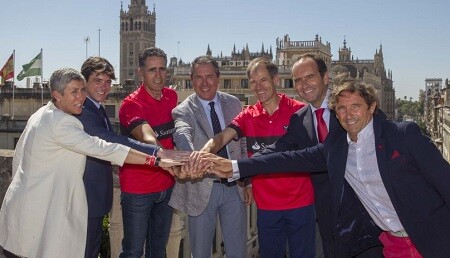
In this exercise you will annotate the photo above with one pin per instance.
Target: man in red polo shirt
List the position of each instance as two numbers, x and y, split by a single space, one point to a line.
285 202
146 115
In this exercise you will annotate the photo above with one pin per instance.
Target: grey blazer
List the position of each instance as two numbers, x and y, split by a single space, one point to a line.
192 132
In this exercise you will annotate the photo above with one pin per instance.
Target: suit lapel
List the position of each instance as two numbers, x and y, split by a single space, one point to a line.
88 104
381 150
224 105
309 125
200 114
338 161
334 123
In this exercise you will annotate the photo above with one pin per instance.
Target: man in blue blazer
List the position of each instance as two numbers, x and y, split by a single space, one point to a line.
97 178
397 173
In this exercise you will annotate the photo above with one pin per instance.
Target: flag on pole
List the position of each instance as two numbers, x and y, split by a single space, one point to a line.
33 68
7 72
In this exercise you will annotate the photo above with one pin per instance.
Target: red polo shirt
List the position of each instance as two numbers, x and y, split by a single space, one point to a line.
278 191
138 108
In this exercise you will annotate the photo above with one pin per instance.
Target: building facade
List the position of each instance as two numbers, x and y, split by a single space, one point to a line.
437 113
371 71
233 77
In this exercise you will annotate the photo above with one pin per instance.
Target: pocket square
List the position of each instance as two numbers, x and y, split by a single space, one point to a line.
395 154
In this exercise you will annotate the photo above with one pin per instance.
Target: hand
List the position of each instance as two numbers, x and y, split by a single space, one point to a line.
177 172
173 154
248 196
219 166
169 163
195 168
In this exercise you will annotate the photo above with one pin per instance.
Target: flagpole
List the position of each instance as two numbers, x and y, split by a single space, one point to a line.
13 82
42 79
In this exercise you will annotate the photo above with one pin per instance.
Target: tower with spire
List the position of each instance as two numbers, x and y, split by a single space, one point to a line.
371 71
137 31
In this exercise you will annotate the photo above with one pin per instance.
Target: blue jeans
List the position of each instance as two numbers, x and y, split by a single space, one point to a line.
296 227
146 218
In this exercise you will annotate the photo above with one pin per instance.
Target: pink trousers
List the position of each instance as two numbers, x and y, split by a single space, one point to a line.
398 247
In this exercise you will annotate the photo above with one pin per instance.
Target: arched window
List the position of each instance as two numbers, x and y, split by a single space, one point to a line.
140 25
131 24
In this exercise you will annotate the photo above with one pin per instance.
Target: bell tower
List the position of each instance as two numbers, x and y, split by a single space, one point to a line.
137 31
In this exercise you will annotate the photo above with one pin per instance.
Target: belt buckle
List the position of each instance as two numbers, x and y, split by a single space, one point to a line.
225 182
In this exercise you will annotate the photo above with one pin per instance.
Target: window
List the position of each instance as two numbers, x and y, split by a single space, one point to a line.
244 83
188 84
227 84
288 83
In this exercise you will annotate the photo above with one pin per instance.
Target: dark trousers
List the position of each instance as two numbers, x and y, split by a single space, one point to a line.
296 227
94 237
373 252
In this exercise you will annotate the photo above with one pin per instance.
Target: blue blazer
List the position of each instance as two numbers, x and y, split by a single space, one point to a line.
415 175
97 178
301 134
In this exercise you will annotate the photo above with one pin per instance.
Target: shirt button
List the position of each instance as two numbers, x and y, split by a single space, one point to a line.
210 183
388 220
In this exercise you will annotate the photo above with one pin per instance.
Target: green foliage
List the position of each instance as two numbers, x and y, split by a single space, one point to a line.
409 110
423 128
105 248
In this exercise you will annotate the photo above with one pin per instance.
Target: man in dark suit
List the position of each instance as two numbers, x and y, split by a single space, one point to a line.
311 79
97 178
396 172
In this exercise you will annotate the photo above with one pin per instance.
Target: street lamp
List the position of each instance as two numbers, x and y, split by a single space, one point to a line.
86 41
99 30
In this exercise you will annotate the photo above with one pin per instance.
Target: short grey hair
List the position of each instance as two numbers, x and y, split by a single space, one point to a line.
61 77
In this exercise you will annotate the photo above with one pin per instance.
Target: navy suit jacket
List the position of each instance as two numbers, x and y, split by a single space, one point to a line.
413 171
97 178
301 134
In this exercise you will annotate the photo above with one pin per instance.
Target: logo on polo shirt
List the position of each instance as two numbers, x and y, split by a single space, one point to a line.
256 146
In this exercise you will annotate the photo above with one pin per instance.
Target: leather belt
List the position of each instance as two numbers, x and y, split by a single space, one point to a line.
401 233
225 182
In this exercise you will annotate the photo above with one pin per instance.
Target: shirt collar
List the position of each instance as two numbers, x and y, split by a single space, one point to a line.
324 103
261 110
205 103
365 133
97 104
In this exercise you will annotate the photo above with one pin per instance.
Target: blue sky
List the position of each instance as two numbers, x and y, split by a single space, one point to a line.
415 34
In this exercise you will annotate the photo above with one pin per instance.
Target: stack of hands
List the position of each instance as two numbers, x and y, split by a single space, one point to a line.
193 165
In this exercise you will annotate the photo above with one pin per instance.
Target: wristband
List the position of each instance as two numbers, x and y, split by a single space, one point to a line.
150 160
157 160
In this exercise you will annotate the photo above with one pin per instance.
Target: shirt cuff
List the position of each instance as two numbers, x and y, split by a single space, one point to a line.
155 151
236 174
